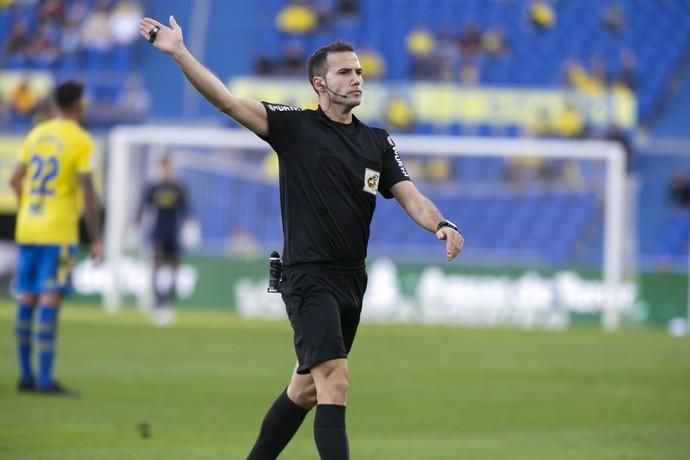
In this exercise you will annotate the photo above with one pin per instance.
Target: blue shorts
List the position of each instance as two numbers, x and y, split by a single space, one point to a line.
45 268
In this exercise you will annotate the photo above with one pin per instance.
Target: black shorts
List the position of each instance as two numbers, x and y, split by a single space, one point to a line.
324 307
166 251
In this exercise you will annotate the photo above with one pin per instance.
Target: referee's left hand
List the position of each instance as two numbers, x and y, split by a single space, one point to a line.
454 241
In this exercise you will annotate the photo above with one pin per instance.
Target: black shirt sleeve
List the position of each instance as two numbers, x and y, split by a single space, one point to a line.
393 170
283 123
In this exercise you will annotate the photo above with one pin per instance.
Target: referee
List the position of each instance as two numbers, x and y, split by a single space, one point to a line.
332 166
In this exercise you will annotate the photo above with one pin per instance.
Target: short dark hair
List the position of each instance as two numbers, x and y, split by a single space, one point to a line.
68 94
317 61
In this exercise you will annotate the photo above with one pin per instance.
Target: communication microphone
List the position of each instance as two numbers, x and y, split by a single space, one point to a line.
333 92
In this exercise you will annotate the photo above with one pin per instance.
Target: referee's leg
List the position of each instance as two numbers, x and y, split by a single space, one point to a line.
284 417
331 379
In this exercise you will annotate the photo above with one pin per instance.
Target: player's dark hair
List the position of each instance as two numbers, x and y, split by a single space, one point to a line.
318 60
68 93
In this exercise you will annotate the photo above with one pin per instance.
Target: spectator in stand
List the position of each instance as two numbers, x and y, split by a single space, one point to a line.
626 76
522 170
541 125
421 46
373 64
679 192
124 28
494 42
447 52
264 65
95 32
43 49
613 18
17 43
70 40
23 100
597 74
399 116
293 60
569 122
542 15
324 14
471 41
297 18
77 11
347 8
123 22
438 170
52 11
469 73
577 77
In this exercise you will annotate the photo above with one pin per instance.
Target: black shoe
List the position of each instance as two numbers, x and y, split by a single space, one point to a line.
57 390
26 386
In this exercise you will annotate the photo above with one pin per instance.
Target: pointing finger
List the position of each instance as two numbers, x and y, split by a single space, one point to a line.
152 22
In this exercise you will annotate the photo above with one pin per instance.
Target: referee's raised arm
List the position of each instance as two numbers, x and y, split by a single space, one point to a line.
248 112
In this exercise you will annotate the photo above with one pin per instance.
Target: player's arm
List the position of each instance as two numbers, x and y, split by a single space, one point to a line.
248 112
92 215
426 214
17 178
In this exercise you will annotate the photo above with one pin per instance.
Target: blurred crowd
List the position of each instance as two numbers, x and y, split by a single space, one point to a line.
448 54
90 40
55 34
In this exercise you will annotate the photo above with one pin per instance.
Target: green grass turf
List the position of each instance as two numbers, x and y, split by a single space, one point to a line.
415 393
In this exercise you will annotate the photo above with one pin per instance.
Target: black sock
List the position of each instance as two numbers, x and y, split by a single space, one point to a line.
280 424
329 432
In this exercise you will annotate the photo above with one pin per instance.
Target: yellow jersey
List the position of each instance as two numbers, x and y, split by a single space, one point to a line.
55 153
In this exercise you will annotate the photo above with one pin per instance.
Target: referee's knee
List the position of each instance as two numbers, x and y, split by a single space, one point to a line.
304 396
332 386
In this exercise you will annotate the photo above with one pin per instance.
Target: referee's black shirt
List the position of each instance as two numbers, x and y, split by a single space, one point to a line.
330 174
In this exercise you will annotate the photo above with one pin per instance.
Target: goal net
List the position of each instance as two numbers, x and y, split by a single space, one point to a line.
544 223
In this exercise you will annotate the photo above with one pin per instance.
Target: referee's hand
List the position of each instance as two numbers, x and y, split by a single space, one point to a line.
167 39
454 241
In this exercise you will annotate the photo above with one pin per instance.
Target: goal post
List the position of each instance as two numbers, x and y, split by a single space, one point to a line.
125 142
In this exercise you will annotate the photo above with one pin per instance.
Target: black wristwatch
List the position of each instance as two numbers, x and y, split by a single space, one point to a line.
447 223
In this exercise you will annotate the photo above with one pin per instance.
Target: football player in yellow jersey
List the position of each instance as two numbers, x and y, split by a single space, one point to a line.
53 174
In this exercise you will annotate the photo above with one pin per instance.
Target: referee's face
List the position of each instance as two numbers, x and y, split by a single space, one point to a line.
344 77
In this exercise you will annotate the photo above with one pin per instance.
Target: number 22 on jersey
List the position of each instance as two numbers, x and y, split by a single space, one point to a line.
44 171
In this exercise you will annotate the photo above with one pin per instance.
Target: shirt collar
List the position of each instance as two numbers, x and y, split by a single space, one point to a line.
355 120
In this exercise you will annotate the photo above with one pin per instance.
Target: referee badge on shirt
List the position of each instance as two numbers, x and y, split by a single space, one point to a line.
371 181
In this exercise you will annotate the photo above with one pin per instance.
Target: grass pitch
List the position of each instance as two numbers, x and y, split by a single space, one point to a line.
416 393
